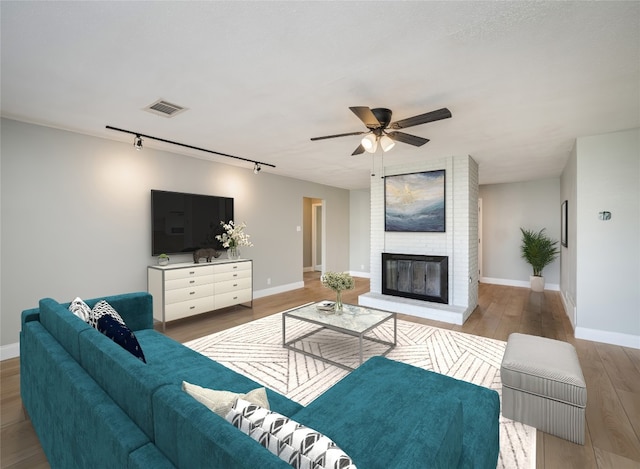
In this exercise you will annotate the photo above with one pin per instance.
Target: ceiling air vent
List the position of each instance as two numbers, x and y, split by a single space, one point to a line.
165 109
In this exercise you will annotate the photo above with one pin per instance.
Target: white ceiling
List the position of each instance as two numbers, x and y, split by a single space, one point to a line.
522 79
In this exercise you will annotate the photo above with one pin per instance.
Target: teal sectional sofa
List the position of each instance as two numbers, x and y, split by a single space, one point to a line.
94 405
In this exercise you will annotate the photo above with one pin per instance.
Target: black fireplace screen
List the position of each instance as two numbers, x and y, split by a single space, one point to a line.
416 276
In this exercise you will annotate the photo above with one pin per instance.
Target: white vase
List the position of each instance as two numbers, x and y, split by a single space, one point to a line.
537 283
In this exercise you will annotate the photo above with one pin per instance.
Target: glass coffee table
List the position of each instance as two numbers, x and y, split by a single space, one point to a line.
355 321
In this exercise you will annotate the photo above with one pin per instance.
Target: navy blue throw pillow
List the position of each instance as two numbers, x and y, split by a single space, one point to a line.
121 335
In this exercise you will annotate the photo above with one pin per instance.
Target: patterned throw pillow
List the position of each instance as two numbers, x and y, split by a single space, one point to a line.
100 309
80 309
221 402
299 446
106 320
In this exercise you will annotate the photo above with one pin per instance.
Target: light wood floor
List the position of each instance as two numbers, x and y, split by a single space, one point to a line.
612 373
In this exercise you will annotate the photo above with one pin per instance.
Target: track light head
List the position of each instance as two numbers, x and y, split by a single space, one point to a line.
137 143
256 168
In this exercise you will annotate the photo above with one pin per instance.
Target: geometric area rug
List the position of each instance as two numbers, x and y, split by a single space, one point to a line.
255 349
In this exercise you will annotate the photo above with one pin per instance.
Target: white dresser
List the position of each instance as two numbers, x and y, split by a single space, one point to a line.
182 290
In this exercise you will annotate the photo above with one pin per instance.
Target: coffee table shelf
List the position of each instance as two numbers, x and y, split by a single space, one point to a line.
355 321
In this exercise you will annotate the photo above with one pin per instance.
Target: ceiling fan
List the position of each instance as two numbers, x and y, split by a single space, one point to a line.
378 121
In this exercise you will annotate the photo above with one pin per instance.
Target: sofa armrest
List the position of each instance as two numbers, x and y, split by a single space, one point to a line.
28 315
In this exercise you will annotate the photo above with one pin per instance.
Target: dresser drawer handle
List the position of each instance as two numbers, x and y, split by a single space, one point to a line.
235 267
192 307
235 284
192 293
235 275
192 281
191 272
235 297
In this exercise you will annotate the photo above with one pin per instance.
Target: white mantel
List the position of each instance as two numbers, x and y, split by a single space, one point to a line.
459 242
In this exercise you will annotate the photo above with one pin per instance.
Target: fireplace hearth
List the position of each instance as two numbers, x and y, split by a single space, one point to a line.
419 277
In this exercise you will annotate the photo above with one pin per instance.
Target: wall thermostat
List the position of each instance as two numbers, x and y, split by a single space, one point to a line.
604 216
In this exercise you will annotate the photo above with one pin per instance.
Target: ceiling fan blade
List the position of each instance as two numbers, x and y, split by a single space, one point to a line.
366 116
432 116
407 138
337 135
358 150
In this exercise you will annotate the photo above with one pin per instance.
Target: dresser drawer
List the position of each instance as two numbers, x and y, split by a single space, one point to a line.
233 298
172 274
232 285
232 267
188 308
185 294
189 282
231 275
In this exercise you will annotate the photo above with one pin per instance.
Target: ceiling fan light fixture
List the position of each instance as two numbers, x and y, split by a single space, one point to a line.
386 143
370 143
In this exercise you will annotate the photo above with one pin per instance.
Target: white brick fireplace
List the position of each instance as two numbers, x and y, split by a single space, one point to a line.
459 242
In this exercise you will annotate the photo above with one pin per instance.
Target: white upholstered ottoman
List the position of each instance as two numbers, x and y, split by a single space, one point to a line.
543 386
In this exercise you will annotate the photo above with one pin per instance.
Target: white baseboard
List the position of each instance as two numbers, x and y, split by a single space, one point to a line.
278 289
517 283
308 269
608 337
354 273
9 351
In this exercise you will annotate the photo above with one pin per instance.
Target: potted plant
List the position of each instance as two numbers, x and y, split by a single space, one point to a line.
163 259
539 251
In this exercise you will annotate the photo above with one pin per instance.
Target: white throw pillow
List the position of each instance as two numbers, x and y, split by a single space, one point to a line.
221 402
80 309
296 444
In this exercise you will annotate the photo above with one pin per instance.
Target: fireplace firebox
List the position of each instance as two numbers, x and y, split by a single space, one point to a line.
416 276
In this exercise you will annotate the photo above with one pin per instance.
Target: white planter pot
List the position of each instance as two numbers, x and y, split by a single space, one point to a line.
537 283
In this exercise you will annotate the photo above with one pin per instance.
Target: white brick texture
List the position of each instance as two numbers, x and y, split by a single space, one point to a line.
459 242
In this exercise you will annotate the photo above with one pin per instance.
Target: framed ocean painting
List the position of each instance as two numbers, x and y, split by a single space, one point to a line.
415 202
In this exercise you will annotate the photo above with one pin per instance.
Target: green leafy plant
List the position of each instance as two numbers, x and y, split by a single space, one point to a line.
538 249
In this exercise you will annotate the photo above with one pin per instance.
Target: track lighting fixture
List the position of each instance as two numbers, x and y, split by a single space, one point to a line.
137 143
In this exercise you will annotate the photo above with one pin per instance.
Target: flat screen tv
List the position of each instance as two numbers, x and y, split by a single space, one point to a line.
182 223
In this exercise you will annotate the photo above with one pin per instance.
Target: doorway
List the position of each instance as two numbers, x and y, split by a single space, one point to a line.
314 234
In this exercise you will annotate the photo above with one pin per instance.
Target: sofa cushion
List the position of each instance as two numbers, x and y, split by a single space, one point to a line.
80 309
127 380
191 436
65 327
408 414
292 442
221 402
409 400
77 423
177 363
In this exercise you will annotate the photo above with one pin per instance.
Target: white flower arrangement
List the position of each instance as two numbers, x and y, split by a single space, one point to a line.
337 281
234 235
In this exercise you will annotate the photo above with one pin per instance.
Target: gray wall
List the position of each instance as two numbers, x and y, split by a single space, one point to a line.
506 208
360 232
607 270
75 217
